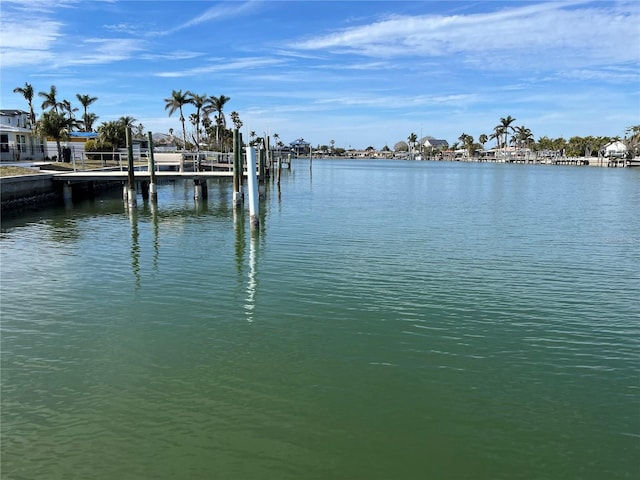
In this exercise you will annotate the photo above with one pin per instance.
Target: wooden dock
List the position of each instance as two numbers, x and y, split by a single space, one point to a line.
106 176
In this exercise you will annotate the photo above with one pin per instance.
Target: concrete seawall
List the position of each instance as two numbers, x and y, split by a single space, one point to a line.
27 190
34 190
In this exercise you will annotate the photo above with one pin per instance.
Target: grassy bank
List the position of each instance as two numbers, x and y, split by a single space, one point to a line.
11 171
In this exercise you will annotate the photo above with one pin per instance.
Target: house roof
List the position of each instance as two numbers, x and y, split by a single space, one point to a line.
12 112
299 143
432 142
83 135
616 146
13 129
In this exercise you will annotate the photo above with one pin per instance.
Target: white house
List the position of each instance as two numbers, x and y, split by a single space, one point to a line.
615 149
430 142
18 140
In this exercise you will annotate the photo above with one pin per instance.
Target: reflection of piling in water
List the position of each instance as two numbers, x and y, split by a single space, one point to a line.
135 245
279 170
238 224
197 189
252 282
156 242
252 183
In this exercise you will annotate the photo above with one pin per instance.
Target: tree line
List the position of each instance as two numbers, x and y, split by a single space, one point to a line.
506 135
209 128
208 121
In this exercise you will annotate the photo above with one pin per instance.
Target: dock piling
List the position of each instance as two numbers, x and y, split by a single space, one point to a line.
153 193
262 188
252 182
131 186
237 168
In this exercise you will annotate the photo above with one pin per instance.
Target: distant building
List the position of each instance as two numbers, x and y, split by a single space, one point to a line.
614 149
18 140
433 143
299 147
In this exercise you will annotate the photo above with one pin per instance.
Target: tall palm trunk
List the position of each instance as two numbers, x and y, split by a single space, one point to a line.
184 141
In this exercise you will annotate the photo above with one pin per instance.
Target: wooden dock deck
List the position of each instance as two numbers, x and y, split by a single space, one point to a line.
101 175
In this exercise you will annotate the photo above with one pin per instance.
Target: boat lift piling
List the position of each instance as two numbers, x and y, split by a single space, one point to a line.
262 188
252 183
238 197
130 192
153 192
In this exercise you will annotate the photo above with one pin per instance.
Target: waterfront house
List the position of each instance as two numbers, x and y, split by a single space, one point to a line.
18 140
300 147
434 144
614 149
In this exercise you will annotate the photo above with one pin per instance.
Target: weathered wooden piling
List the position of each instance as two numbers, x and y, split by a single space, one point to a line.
279 170
153 193
252 182
237 168
269 160
262 162
131 185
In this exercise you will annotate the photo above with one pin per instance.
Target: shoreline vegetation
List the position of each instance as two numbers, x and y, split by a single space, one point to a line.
205 129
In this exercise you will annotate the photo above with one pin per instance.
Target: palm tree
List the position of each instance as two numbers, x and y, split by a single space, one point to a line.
85 101
198 101
497 136
27 93
65 105
413 138
237 123
523 136
128 122
217 104
175 102
50 100
483 139
54 125
89 119
112 134
633 140
467 142
505 127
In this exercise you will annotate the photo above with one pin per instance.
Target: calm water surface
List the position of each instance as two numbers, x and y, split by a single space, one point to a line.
389 320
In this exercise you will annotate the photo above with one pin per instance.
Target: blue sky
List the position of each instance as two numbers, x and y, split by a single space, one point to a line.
360 73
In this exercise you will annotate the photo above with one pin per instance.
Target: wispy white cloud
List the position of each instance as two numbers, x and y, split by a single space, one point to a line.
25 43
221 65
105 50
395 102
222 10
174 55
37 6
544 33
40 41
615 75
128 28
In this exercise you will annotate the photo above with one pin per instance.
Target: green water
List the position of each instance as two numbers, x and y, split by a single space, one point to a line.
390 319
